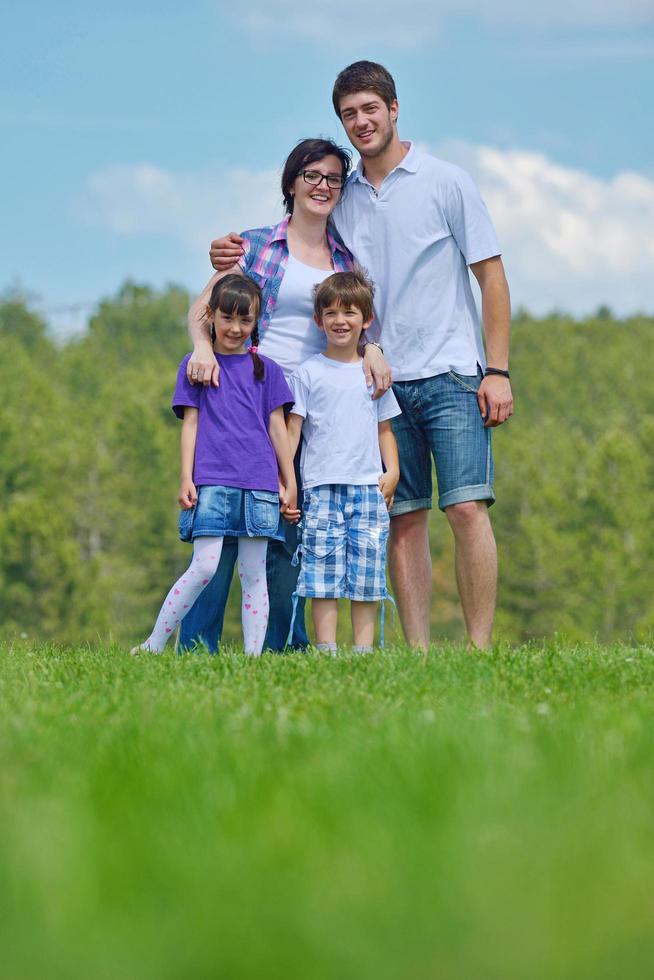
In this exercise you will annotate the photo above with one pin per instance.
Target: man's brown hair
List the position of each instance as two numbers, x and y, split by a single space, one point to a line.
364 76
345 289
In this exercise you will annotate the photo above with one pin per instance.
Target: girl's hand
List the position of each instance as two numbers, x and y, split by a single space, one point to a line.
387 484
377 370
288 503
188 495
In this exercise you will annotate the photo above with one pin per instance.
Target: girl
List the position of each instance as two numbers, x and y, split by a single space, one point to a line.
235 457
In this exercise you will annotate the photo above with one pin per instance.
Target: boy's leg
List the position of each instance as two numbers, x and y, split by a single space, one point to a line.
204 622
206 555
363 616
325 617
254 601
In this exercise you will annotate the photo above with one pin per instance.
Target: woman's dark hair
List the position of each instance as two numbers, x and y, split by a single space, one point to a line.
307 152
236 295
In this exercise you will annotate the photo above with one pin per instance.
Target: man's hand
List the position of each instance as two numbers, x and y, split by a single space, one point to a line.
495 400
387 484
188 495
226 251
377 370
203 368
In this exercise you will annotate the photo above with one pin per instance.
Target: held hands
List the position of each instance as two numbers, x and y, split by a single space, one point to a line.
226 251
188 495
377 370
288 502
387 484
202 368
495 400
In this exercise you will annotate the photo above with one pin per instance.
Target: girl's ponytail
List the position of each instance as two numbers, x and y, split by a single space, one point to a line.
257 363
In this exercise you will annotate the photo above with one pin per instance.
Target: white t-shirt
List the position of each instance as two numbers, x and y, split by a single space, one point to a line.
416 236
293 335
340 434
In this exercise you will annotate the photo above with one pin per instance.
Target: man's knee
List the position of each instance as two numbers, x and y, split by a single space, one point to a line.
408 527
468 517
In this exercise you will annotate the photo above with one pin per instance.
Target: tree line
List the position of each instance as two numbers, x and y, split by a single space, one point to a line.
89 474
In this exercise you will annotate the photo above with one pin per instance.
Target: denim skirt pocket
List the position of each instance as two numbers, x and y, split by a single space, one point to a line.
261 513
185 524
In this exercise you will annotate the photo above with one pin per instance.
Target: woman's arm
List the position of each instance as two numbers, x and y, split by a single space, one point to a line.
288 490
391 461
187 492
202 367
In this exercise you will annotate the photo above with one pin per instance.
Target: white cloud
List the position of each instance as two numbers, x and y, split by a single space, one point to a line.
570 240
418 21
143 199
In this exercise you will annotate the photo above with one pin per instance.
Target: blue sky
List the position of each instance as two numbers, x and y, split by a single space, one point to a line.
134 132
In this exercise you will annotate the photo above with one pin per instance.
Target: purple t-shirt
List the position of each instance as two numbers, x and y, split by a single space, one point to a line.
233 448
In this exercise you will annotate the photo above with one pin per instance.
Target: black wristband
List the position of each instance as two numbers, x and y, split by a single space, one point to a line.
504 374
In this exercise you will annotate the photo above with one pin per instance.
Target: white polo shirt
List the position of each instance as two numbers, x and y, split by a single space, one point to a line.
416 236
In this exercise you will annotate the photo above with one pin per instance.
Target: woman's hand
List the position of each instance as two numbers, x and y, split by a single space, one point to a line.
226 251
188 494
203 368
377 370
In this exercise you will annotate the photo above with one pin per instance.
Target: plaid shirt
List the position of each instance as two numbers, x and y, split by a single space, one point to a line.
266 256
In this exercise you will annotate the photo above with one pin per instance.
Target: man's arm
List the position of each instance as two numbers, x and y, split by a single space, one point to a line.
202 367
494 395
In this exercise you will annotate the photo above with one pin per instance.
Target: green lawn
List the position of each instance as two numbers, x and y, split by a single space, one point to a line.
393 817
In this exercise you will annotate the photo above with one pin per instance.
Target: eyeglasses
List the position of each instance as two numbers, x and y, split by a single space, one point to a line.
315 178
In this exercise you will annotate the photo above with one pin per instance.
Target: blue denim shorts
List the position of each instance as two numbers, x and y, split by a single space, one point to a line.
344 543
230 511
441 418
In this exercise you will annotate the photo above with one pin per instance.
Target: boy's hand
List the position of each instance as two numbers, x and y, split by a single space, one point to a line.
387 484
226 251
288 503
202 367
188 495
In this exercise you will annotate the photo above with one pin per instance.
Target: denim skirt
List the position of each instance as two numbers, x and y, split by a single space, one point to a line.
231 512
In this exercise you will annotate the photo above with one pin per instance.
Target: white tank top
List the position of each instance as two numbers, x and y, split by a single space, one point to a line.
293 335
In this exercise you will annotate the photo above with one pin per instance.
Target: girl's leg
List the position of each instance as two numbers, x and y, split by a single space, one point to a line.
363 616
254 604
206 555
325 616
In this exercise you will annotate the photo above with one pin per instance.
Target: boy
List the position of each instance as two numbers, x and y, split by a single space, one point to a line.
347 437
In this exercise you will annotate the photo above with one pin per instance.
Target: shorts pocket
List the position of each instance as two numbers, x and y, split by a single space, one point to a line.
185 524
320 542
469 382
261 513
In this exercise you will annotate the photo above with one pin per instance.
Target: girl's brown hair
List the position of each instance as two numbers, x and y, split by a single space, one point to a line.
236 295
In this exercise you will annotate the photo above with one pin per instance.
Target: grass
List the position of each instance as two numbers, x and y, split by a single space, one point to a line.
453 815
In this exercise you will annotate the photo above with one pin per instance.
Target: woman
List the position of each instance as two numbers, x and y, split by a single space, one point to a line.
287 260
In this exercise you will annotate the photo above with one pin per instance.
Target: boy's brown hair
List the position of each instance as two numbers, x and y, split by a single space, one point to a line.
364 76
345 289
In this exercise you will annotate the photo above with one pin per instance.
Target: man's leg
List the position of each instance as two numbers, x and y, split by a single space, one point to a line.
476 567
204 622
409 564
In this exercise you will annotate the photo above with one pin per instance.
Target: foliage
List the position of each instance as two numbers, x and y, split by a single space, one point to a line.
89 460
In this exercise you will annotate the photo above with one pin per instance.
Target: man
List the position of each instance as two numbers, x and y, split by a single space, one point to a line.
417 224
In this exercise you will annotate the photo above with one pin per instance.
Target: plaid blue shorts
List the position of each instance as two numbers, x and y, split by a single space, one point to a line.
344 543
